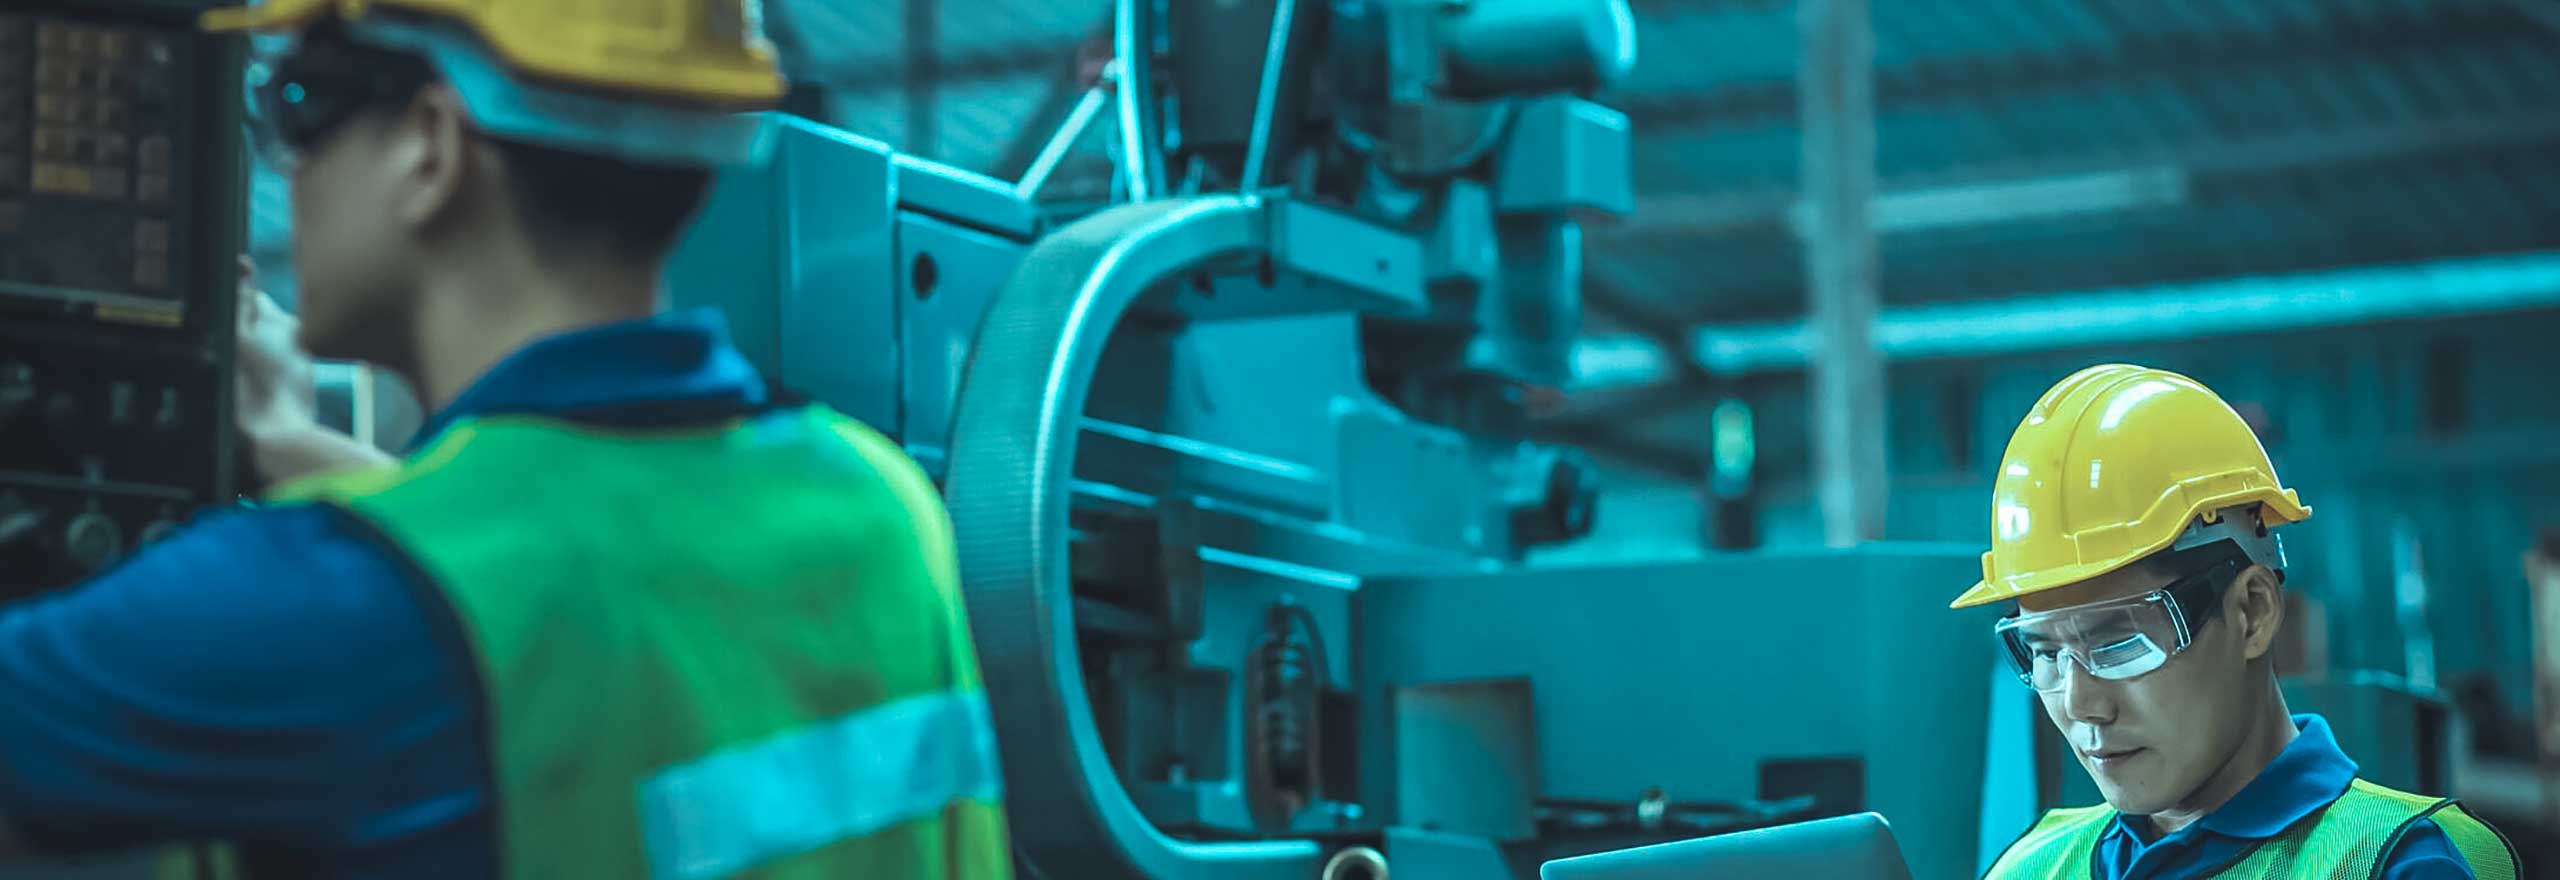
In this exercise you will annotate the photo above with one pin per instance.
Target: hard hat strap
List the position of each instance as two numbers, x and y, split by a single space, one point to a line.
2240 525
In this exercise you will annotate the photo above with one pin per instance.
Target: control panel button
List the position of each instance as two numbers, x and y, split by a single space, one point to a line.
17 387
151 272
166 418
155 153
53 143
65 179
151 189
120 404
62 411
92 541
150 237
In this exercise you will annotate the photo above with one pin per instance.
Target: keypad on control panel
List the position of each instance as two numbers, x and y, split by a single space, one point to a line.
87 114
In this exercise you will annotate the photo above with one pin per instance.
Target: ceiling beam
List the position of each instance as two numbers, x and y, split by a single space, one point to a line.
2202 60
2030 191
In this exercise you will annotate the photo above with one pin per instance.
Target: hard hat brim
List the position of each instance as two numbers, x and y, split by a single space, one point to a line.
269 17
2278 508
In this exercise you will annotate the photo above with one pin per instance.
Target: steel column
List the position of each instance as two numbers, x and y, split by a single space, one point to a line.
1838 110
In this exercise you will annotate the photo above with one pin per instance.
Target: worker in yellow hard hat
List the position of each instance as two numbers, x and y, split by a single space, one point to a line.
625 612
2133 528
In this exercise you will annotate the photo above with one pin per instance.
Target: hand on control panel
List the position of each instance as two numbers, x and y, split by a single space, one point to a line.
275 398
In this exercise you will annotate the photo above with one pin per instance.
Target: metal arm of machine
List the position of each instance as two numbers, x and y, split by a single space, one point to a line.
1141 118
1013 445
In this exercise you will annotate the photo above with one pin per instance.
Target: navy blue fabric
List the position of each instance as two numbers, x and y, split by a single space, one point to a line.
282 678
2308 775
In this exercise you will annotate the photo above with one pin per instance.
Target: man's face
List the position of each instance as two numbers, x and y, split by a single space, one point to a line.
2151 741
348 246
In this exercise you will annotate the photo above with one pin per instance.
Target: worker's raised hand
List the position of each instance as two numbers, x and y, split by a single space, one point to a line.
276 402
272 389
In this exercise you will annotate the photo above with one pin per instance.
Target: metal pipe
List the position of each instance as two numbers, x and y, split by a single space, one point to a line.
1142 147
1063 140
2161 313
1268 132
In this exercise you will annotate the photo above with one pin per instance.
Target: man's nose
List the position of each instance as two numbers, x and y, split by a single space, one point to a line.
2086 697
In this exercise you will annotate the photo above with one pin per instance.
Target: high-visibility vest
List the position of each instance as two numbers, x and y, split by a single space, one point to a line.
2346 840
737 650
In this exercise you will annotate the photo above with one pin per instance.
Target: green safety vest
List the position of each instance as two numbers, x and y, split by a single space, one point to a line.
2346 840
735 651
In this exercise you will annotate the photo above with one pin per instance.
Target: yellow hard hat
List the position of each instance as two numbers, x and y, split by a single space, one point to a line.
2114 464
651 79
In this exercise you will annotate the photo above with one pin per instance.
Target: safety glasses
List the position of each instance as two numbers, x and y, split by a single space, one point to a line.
300 95
2118 639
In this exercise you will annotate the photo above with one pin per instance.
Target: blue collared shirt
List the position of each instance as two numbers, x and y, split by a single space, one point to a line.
274 677
2308 775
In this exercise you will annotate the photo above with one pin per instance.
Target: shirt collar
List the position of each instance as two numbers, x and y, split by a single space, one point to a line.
2310 773
669 368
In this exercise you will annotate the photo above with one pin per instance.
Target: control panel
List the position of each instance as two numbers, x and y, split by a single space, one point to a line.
121 212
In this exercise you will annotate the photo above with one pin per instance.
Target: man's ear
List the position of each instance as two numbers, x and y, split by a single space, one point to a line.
2257 607
433 149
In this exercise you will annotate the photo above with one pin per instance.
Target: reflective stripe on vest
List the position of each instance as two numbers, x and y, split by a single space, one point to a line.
2347 840
807 788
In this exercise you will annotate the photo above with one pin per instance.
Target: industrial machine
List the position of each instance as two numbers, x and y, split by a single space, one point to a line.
120 219
1241 472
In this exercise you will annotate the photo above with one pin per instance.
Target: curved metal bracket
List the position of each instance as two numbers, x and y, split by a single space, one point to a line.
1013 450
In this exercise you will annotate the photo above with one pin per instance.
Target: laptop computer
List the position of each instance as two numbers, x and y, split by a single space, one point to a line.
1858 847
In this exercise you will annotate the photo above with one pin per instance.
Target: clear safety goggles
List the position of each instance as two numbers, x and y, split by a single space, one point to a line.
2117 639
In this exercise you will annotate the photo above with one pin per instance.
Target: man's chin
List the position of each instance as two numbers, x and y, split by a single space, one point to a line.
322 344
2131 801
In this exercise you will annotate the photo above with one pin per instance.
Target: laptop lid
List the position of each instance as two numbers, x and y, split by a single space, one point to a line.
1859 847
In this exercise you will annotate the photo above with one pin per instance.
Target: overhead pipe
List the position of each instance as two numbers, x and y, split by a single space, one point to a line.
2161 313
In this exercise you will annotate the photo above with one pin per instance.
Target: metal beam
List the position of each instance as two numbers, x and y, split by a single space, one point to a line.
1066 88
2201 61
1839 169
1058 101
2023 191
2160 313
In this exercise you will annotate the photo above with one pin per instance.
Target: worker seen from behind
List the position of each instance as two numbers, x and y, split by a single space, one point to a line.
623 614
2132 526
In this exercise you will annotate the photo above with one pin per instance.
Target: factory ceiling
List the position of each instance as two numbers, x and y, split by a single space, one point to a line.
2027 149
